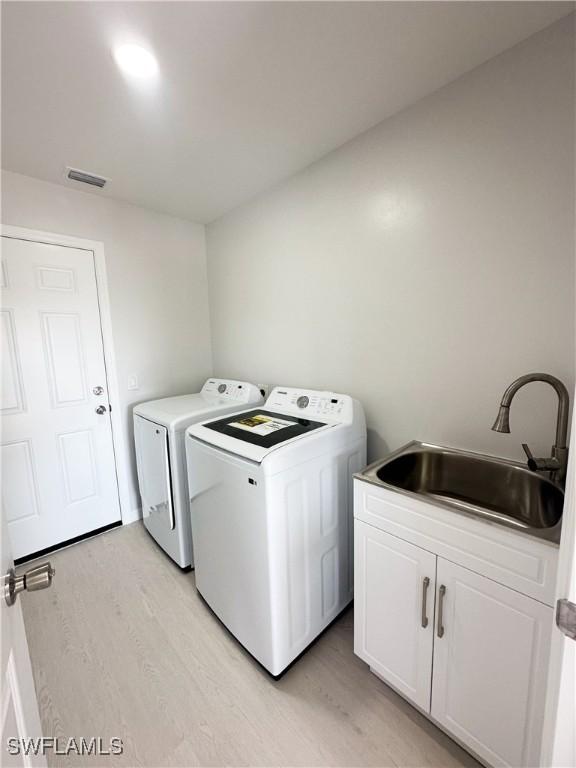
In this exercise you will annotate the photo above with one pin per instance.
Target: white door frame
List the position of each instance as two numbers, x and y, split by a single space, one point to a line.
118 439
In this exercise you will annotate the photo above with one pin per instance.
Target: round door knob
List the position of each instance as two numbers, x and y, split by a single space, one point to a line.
39 577
101 409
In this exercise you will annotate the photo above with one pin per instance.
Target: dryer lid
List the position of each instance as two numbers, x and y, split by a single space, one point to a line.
222 395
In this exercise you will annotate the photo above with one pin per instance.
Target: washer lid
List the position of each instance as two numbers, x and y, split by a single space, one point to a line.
263 428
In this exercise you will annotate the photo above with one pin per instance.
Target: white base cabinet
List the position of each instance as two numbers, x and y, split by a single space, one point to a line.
469 652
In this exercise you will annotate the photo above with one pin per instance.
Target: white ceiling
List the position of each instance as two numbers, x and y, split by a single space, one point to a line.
249 92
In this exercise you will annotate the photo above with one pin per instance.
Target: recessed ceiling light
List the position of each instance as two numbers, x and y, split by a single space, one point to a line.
136 61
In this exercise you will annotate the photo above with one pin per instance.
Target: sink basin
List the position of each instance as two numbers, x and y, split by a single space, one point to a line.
500 490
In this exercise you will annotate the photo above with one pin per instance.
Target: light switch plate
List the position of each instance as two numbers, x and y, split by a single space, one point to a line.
133 381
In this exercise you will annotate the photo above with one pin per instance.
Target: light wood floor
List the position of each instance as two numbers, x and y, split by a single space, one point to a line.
122 645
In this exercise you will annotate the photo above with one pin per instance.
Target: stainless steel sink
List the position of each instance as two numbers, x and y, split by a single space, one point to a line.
498 490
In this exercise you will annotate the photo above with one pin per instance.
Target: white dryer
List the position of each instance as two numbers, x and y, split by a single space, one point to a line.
159 427
271 510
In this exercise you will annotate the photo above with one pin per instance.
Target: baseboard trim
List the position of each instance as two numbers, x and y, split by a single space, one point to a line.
132 516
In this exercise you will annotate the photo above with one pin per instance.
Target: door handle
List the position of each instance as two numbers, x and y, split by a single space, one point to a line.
440 628
101 410
425 585
36 578
566 618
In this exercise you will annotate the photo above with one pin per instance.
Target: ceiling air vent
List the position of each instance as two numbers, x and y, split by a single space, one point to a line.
86 178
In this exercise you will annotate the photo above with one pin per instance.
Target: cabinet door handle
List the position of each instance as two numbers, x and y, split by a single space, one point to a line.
441 593
425 585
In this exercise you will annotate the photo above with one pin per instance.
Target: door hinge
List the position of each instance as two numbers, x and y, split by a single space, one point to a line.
566 618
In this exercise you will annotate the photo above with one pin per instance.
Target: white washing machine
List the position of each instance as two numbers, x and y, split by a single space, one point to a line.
159 427
271 511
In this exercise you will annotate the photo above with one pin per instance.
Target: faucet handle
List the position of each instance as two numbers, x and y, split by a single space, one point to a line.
532 463
527 451
540 465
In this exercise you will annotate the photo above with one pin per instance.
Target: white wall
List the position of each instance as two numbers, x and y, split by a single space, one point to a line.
423 266
156 267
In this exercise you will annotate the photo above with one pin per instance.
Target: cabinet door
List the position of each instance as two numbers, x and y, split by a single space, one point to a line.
394 610
490 666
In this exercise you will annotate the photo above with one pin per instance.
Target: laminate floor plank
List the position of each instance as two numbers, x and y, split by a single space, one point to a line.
123 646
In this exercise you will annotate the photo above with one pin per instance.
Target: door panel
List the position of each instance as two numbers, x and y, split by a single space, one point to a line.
19 487
63 349
78 465
388 625
490 666
18 705
53 279
57 452
12 395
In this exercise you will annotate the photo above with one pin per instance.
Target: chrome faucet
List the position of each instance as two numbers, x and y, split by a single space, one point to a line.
557 463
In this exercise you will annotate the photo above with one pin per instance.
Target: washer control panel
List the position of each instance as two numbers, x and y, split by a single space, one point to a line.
228 389
310 403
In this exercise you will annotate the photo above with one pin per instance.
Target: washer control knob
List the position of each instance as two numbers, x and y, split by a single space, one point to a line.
302 401
221 388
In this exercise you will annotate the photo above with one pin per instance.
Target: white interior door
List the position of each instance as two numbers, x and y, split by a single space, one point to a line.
59 477
490 666
559 748
394 584
20 719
